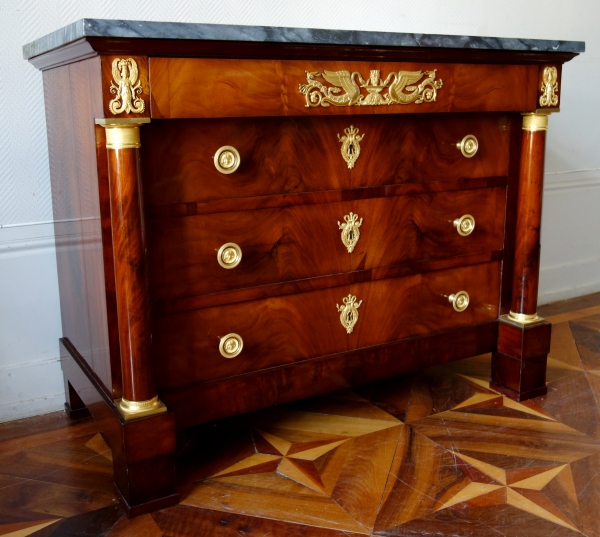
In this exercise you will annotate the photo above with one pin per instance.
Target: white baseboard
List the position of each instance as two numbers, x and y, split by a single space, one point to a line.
31 389
32 407
570 280
570 264
31 381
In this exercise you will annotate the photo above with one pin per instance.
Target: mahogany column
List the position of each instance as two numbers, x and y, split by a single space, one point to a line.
129 245
519 364
529 218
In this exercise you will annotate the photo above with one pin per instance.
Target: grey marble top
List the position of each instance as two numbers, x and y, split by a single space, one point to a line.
223 32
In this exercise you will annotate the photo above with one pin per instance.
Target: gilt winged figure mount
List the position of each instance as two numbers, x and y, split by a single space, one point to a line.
403 87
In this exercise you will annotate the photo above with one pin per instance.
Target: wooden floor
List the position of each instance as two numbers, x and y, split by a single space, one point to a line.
432 453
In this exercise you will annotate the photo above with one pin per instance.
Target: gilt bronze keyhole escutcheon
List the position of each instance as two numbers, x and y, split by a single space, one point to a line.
350 232
349 312
350 145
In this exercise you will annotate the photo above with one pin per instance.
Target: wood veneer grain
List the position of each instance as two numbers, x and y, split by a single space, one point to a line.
129 247
301 155
301 242
199 403
195 87
528 224
72 96
189 521
109 263
293 328
324 196
512 190
322 282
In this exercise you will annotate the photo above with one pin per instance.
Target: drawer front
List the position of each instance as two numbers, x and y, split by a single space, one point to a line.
292 328
291 155
194 87
293 243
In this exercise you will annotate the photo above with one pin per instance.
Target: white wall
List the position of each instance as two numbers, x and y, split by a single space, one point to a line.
30 377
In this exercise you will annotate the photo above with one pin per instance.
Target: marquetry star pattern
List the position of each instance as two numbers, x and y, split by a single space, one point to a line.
522 488
301 461
439 452
347 461
305 465
526 487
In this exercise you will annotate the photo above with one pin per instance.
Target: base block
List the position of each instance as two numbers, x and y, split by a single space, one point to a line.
519 364
519 396
143 449
143 508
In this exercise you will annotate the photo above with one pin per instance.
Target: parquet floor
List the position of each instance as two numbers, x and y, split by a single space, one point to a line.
432 453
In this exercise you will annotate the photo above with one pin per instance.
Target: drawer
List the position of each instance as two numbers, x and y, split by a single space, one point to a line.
201 87
299 242
292 328
292 155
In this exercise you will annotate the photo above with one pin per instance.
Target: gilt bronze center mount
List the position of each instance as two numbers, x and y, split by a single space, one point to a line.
403 87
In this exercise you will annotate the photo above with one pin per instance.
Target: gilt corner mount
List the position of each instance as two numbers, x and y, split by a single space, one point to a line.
549 87
402 88
127 87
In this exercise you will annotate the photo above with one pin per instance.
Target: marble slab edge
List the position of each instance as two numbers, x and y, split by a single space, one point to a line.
223 32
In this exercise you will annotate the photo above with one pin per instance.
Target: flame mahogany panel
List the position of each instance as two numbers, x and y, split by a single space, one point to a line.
529 216
512 190
305 241
287 329
129 249
73 95
292 155
195 403
195 87
321 282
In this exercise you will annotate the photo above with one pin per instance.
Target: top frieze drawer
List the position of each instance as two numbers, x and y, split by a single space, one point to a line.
195 88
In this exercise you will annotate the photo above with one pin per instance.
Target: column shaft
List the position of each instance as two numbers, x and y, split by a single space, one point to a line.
129 248
529 216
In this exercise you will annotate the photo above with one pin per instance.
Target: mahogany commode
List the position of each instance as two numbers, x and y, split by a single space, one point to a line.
248 216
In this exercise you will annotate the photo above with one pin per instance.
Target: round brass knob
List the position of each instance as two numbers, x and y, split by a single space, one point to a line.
459 301
231 345
465 225
227 159
468 146
229 255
